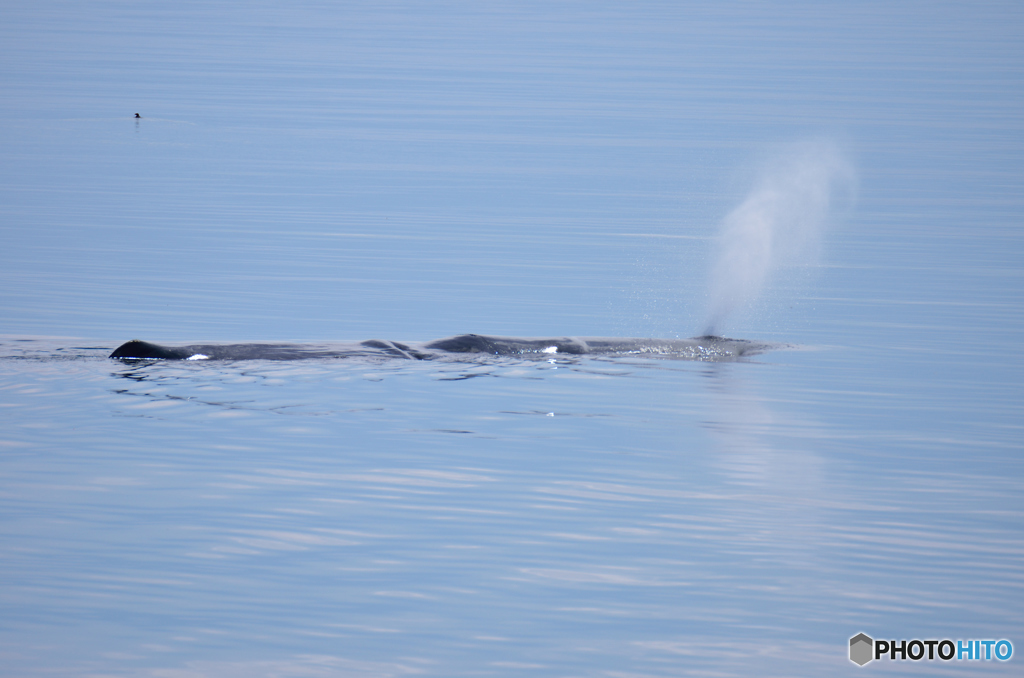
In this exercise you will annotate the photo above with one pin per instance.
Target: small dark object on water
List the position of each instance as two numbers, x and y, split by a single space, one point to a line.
137 115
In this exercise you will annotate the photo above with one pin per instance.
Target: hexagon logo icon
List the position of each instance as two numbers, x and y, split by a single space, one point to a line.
862 649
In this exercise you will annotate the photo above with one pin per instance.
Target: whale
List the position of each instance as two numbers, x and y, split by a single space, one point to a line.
458 347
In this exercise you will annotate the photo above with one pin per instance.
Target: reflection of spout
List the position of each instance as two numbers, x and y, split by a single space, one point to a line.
742 422
784 480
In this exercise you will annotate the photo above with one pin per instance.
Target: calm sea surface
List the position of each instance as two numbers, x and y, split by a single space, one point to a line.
408 171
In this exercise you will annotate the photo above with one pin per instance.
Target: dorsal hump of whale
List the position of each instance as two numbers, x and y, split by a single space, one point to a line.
145 350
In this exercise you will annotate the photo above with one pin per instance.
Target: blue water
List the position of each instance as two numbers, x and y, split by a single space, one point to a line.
408 172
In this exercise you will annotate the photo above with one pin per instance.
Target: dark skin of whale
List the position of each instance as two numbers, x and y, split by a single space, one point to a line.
463 345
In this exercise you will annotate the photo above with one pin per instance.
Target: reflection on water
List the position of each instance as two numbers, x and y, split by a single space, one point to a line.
780 479
340 518
743 422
